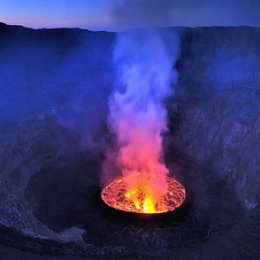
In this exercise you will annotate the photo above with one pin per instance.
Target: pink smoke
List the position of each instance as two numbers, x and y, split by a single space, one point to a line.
137 115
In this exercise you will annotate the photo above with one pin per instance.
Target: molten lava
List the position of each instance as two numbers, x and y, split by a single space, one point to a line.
139 199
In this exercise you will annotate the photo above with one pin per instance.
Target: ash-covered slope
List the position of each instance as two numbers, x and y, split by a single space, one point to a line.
54 87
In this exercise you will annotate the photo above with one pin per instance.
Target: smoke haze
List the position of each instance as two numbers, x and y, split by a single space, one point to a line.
137 115
145 13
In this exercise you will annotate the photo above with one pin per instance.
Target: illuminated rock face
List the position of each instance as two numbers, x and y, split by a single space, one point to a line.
118 196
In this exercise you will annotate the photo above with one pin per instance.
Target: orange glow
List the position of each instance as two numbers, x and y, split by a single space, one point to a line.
139 199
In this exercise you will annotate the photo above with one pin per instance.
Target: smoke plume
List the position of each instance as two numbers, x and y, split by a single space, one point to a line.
137 115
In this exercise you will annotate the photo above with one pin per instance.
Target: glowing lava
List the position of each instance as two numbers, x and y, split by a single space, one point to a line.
138 199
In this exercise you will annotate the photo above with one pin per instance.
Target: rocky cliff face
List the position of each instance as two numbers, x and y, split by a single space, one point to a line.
216 108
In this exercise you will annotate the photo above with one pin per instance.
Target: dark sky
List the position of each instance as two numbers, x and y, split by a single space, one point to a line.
122 14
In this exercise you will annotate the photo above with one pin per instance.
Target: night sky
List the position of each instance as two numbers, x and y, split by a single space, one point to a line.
123 14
